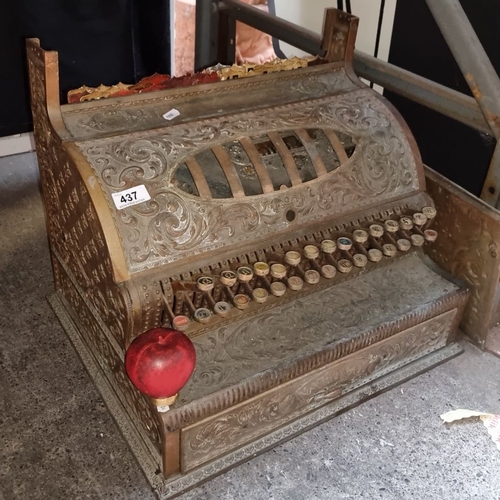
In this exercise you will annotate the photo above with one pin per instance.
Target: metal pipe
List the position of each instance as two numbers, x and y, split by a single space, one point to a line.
471 58
490 192
288 32
205 52
480 75
419 89
458 33
433 95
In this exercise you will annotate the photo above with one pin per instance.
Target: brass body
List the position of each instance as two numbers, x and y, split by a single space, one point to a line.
274 369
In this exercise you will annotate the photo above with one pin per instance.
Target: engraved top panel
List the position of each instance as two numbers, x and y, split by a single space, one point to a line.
174 225
143 112
230 354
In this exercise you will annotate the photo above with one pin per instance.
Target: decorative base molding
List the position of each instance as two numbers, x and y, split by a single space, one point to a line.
165 489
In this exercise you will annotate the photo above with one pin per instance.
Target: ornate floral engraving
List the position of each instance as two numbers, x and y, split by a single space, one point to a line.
74 230
173 225
78 248
468 247
116 119
269 339
150 297
235 427
168 488
111 361
174 486
134 115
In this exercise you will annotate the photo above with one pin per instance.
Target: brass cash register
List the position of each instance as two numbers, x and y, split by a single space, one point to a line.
281 221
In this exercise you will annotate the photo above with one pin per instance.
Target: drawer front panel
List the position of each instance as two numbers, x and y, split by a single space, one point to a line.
232 428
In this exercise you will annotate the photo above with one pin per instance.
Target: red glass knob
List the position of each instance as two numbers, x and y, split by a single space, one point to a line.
159 363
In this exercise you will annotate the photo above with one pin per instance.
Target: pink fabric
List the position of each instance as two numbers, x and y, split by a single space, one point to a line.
253 46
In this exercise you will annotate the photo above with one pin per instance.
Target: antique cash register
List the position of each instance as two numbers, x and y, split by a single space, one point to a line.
281 222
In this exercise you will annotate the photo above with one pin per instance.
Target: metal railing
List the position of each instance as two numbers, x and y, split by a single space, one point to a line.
215 42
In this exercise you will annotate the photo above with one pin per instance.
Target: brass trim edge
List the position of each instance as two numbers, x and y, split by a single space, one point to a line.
104 212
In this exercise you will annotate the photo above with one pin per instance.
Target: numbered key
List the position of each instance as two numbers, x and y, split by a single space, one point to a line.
430 235
311 252
260 295
405 223
241 301
181 323
391 226
328 246
278 289
375 255
360 236
344 243
202 315
244 274
376 230
429 212
359 260
278 271
389 250
417 240
295 283
292 258
345 266
328 271
261 268
228 278
419 219
312 277
222 309
205 283
403 245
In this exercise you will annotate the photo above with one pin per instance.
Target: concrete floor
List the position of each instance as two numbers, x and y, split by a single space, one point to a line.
57 440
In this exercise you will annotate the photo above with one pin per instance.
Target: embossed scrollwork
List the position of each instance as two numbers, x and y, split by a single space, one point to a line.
381 166
111 119
75 234
275 408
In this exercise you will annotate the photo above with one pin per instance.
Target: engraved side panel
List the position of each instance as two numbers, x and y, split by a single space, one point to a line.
150 297
248 421
468 247
174 226
74 230
110 359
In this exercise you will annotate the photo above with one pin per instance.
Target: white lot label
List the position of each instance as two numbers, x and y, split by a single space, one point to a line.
170 115
130 197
